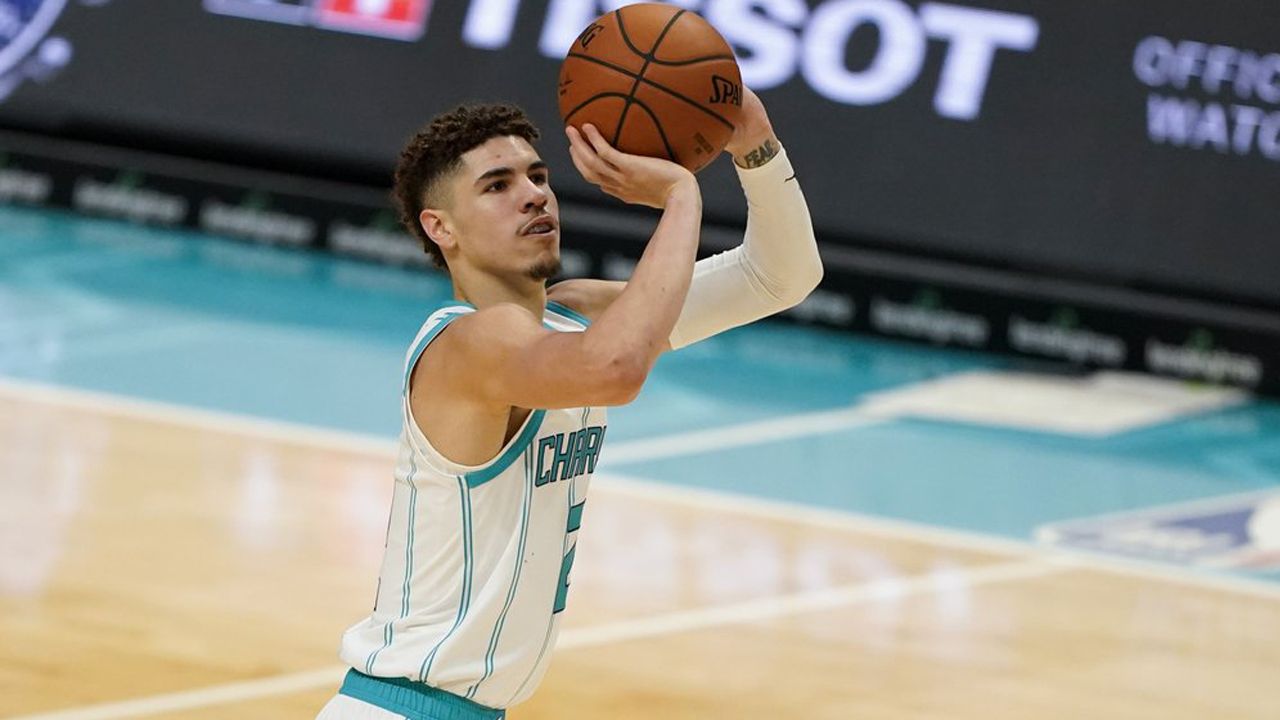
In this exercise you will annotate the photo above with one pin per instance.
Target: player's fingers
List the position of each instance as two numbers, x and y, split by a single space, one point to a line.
575 139
578 143
601 146
579 155
596 169
589 164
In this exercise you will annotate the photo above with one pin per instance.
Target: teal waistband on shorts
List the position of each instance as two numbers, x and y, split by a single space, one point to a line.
414 700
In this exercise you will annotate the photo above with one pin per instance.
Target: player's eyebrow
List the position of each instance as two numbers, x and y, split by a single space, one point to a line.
494 173
505 171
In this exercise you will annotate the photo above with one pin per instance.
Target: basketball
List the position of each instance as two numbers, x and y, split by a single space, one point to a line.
656 80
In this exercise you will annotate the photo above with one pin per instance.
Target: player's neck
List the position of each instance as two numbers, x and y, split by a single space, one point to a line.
484 291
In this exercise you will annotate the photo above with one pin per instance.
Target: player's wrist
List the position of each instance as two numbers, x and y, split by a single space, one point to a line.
757 151
684 194
684 191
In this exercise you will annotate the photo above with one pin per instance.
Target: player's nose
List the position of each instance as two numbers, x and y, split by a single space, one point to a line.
536 196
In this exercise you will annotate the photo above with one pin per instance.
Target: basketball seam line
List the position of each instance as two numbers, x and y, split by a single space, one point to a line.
626 103
648 58
622 29
592 99
662 135
692 61
682 63
646 81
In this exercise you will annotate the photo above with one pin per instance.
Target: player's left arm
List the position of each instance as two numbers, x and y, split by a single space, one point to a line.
776 266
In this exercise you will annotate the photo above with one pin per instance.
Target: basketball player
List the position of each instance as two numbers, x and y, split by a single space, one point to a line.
505 388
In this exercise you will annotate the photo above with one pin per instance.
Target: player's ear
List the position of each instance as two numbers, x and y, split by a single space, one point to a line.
438 227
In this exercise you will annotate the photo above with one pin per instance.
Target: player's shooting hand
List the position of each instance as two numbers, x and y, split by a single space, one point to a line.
632 179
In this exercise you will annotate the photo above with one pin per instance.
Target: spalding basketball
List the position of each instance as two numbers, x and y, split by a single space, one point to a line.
656 80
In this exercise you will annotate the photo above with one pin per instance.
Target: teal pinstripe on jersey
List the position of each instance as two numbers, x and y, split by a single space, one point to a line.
389 628
477 557
515 579
464 604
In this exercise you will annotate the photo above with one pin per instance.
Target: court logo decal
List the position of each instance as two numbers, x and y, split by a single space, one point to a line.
27 50
1240 532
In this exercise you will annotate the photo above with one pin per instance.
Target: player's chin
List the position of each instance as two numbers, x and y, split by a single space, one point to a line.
546 266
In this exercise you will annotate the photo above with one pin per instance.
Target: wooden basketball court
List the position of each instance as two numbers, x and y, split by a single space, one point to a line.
176 567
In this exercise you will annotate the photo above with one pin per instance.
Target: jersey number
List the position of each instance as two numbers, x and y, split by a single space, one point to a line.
562 592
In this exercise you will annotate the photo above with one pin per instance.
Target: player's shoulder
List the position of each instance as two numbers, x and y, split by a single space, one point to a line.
492 327
472 341
499 315
586 297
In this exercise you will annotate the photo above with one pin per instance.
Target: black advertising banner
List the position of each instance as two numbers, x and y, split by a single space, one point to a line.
1129 143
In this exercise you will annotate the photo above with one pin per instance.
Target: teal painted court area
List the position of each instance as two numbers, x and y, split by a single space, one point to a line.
190 320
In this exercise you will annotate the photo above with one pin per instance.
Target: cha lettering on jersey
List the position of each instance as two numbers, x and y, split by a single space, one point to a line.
564 456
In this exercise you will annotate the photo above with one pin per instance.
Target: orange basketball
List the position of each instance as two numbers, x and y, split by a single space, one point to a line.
656 80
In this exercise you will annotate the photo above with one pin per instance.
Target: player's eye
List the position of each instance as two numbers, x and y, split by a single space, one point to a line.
539 178
496 186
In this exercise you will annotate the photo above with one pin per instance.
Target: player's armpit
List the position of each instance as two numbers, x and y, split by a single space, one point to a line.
585 296
505 355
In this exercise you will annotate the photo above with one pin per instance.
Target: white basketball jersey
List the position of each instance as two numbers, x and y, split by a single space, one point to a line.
477 558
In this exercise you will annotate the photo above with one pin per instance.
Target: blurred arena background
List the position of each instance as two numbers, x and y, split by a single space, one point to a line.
1017 457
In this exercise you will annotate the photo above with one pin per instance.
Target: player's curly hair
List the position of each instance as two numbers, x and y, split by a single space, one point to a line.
436 150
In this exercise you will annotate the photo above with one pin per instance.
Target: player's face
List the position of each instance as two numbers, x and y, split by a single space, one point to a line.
504 211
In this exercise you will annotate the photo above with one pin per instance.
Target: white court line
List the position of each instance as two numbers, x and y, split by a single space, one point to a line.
676 444
648 449
206 419
204 697
1044 560
133 340
757 610
717 501
770 608
752 433
905 530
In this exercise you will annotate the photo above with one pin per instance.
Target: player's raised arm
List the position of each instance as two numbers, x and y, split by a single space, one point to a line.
775 268
777 265
511 359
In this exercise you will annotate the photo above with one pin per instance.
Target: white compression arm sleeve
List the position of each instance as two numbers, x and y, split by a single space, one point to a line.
775 267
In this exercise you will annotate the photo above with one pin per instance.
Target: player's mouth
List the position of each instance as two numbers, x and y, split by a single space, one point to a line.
543 225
